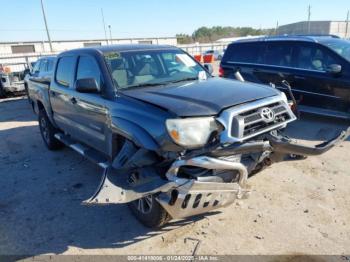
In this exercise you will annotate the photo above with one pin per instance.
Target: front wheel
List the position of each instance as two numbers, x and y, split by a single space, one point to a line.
48 132
147 210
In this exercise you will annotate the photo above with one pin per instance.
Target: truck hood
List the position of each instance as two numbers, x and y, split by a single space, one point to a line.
201 98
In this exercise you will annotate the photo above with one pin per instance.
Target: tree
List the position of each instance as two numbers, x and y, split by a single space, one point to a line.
205 34
184 39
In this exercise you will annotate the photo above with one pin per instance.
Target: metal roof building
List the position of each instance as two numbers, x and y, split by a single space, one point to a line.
338 28
42 47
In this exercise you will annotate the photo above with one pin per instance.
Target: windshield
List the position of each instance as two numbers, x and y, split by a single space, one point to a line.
132 69
342 47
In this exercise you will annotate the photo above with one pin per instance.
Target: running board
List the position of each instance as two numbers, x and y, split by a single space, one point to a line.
87 152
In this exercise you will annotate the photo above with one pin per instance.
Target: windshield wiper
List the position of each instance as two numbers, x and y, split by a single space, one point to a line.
161 83
143 85
184 79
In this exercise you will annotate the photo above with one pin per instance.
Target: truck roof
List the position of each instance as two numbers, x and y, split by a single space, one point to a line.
120 48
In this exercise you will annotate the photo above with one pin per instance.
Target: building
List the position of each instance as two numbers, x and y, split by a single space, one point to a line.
59 46
17 55
338 28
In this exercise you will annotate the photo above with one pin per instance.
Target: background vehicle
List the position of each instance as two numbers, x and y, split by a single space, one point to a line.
41 73
10 82
217 54
317 68
172 140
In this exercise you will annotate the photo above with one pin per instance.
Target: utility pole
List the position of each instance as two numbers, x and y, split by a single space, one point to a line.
110 33
104 25
47 29
276 30
347 25
309 20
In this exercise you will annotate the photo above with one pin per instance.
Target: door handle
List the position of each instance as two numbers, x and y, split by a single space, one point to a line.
73 100
300 77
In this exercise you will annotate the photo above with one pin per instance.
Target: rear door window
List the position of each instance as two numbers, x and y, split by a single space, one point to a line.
36 67
88 68
279 54
65 70
43 66
50 64
245 53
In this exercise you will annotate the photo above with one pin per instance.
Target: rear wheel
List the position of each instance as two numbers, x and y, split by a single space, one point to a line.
2 91
27 93
147 210
48 132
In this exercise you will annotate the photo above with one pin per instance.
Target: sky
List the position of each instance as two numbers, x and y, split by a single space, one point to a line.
22 20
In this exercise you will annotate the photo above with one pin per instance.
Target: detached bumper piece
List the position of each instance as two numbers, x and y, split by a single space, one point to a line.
285 146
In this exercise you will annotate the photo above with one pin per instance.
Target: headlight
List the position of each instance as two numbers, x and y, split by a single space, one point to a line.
191 132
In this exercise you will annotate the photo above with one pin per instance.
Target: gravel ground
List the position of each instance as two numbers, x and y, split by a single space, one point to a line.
295 207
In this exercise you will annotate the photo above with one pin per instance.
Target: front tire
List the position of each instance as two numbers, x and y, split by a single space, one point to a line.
48 132
148 210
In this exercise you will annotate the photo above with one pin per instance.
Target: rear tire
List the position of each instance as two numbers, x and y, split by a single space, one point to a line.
147 210
27 93
2 91
48 132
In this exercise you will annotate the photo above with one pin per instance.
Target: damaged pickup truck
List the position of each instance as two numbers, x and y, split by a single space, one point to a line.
172 140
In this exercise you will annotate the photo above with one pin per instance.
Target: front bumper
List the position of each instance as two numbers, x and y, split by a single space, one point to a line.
197 197
187 197
114 186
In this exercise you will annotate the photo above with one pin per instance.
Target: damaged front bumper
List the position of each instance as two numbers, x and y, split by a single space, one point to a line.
182 197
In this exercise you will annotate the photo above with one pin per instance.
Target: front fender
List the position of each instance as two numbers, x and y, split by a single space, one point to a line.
135 133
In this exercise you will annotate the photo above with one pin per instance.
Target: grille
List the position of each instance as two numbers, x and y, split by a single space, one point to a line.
249 123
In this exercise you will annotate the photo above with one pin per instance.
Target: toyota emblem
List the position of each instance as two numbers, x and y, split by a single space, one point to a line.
267 114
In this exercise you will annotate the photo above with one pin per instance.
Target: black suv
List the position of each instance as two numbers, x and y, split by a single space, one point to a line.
317 68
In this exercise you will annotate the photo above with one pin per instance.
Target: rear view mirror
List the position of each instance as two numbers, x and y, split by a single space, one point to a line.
86 85
209 68
334 69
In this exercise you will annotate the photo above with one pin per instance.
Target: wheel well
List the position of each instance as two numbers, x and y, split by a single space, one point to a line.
40 106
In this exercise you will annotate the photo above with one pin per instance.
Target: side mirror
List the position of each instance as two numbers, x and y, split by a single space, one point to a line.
334 69
86 85
209 68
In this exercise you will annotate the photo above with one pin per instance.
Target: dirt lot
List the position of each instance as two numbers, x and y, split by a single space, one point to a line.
295 208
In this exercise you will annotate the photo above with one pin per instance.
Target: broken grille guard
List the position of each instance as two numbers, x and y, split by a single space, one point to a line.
115 189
